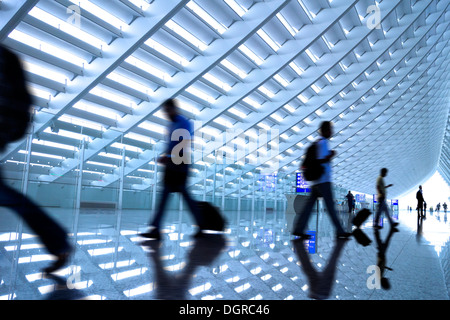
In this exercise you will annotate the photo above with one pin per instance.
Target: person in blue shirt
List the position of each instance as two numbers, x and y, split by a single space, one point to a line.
321 187
176 159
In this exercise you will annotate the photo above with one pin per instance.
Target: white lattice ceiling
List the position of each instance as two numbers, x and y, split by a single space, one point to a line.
100 69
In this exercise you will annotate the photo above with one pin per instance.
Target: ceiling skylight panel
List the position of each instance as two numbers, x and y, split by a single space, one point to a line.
263 126
37 91
236 7
266 91
44 155
303 98
238 113
147 68
276 117
81 122
188 107
233 68
101 14
311 55
68 134
252 102
129 82
308 12
153 127
251 55
139 137
127 147
316 88
172 25
205 16
289 108
102 164
267 39
224 122
225 86
200 94
296 68
167 52
112 156
113 97
54 145
328 43
44 72
143 4
67 27
104 112
47 48
293 31
212 132
281 80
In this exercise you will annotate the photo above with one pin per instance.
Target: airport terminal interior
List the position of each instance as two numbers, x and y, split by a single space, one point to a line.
256 79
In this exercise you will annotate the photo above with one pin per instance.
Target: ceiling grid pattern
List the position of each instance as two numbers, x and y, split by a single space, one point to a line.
99 70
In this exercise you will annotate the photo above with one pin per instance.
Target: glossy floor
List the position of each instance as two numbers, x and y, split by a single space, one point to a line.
256 258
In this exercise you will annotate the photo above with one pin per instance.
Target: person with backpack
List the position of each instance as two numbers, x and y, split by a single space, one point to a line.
317 169
15 117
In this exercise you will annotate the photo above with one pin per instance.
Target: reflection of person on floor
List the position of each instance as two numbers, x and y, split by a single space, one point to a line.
381 256
15 107
174 287
320 283
419 228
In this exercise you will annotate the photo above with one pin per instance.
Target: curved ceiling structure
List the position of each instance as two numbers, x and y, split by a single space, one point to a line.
256 77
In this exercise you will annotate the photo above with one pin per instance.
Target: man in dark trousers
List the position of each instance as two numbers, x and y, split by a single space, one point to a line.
350 199
15 107
321 188
177 159
420 201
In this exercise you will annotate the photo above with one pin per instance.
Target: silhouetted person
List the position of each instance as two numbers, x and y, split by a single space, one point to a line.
170 286
420 201
350 200
320 282
321 187
177 159
15 117
445 207
381 255
381 199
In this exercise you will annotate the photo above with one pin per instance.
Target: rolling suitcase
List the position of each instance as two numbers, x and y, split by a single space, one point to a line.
360 217
212 218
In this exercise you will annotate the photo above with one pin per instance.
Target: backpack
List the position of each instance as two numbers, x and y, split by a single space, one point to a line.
15 100
312 169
